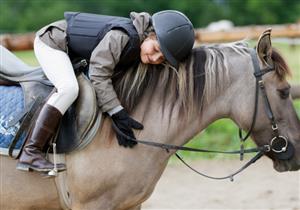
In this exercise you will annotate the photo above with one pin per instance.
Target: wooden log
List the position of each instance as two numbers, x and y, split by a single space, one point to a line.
17 42
247 32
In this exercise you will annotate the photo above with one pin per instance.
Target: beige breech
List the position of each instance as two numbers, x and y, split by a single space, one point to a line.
58 69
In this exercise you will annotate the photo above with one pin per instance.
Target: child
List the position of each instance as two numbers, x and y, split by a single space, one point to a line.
108 43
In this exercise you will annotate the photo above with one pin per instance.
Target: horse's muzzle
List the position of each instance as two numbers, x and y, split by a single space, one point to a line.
286 161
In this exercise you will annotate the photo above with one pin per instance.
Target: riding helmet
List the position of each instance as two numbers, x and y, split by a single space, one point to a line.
175 35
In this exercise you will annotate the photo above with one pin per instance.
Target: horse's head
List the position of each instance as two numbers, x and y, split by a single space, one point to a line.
276 124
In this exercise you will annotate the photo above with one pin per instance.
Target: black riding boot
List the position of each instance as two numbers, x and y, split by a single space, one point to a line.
32 157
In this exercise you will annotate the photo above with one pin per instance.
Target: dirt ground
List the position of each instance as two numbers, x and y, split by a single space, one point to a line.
259 187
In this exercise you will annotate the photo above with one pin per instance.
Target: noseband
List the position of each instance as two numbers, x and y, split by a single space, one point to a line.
279 145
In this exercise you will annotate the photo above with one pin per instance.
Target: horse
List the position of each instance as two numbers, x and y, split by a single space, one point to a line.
215 81
295 91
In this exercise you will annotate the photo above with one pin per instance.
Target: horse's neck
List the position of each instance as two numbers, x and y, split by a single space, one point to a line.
158 126
177 130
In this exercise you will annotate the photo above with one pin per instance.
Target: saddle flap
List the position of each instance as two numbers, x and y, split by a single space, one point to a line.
79 119
79 123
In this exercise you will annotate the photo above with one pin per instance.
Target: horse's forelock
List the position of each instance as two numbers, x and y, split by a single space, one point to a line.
281 68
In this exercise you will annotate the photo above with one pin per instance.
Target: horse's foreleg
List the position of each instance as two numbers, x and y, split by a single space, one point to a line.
94 206
136 208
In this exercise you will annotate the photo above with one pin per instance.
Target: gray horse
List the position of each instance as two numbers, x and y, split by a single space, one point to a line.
174 105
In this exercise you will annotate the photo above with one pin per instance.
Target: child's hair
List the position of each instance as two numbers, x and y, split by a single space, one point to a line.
152 35
149 32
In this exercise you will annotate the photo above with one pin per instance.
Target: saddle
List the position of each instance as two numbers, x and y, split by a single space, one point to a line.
25 95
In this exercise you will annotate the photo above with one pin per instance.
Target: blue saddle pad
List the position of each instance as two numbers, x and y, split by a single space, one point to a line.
11 105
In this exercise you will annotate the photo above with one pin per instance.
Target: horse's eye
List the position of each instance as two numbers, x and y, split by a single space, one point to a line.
284 93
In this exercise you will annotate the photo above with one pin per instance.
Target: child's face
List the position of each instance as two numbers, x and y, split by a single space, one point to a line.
150 52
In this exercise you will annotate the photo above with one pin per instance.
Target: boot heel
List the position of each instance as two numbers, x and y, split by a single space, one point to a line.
23 167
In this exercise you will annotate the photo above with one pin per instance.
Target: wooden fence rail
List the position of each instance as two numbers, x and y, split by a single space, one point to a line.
17 42
247 32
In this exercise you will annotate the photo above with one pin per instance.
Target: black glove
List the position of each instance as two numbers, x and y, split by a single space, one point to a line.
125 123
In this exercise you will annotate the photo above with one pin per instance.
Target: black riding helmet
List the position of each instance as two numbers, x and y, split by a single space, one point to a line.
175 34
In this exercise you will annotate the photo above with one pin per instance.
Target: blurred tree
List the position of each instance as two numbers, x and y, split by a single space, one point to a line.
30 15
262 12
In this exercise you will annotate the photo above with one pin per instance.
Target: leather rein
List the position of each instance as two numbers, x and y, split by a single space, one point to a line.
278 144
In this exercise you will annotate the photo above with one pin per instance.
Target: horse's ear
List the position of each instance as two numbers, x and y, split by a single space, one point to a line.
264 48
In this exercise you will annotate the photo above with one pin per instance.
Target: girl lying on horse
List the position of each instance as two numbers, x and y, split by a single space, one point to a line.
110 44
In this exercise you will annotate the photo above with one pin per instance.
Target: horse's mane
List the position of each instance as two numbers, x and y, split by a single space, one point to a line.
202 74
183 87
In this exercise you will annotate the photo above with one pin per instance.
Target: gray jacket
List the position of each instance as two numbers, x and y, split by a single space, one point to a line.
104 57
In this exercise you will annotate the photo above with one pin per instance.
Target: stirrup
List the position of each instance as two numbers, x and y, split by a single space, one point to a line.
54 171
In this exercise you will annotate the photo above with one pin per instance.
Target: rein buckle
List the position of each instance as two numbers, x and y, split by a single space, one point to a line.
275 127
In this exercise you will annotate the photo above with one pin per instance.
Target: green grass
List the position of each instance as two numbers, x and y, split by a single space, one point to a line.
223 134
297 105
28 57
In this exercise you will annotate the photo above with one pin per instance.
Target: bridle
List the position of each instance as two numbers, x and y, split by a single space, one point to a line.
279 145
